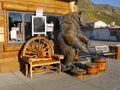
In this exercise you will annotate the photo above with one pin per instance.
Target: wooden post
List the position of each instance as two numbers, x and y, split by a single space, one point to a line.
118 52
116 48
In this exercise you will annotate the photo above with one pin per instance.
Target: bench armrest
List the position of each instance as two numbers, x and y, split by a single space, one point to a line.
26 58
58 56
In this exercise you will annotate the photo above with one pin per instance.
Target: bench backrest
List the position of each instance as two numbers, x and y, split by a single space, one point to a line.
102 49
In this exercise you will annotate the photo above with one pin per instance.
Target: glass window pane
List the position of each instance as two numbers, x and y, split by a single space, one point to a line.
56 21
15 27
28 25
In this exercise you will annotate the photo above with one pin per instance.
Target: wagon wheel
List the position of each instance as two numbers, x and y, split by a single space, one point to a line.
38 47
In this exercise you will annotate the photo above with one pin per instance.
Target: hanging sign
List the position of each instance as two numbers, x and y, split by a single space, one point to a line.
50 27
38 25
39 11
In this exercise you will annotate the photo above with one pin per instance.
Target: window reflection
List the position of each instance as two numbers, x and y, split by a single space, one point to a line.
15 27
20 26
28 25
55 19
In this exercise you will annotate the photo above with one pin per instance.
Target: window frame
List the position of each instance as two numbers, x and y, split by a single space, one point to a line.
23 24
9 41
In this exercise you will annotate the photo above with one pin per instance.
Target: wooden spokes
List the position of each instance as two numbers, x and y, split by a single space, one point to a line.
38 47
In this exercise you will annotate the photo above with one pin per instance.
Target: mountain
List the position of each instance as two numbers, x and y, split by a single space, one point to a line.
104 12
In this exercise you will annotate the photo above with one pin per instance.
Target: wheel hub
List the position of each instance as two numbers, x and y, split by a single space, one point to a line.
40 54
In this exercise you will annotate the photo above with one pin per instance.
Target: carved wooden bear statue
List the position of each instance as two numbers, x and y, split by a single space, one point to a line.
71 38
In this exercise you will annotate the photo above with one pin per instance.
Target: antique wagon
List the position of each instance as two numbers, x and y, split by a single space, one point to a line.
16 15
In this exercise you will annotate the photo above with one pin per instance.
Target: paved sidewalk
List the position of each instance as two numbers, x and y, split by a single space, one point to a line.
108 80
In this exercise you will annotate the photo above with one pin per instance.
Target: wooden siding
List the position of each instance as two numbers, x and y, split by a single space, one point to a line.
8 55
10 66
12 47
49 6
2 26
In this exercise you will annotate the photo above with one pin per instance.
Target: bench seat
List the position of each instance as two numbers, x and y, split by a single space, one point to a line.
53 62
104 50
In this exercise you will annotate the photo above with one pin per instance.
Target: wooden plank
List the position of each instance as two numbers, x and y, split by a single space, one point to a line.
58 56
48 62
12 47
48 3
1 47
0 5
1 21
1 18
118 52
8 54
48 7
9 59
1 13
10 66
115 49
6 27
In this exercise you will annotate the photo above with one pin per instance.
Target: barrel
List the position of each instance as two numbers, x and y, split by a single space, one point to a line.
79 73
101 63
92 68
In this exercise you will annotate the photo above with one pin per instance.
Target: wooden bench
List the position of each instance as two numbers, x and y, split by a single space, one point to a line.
38 55
54 62
103 50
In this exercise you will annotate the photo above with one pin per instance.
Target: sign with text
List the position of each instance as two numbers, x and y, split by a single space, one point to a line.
38 25
13 33
49 27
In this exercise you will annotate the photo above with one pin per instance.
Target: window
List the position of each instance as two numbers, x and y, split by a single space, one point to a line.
113 33
20 26
28 25
56 20
15 27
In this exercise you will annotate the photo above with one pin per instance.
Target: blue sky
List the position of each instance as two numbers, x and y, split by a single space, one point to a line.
110 2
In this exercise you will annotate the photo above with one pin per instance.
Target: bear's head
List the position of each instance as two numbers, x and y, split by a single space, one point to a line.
76 17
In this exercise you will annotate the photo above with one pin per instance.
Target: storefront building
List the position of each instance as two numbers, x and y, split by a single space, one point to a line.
18 13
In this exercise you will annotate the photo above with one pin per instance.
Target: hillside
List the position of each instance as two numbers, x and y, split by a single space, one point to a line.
102 12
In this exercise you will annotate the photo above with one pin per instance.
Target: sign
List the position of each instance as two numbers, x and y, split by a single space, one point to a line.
1 34
38 25
1 30
49 27
13 33
1 37
39 12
